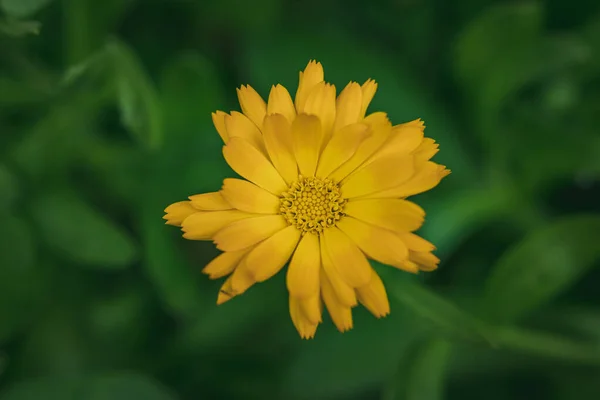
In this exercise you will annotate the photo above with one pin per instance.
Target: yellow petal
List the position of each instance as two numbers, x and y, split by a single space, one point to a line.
377 243
305 328
251 164
374 297
218 119
241 279
321 102
394 214
341 147
246 196
311 307
418 123
306 138
277 134
344 293
210 202
238 125
280 102
381 174
247 232
409 266
380 129
348 106
416 243
424 179
349 262
224 264
426 150
425 260
402 140
368 92
313 74
271 255
252 105
177 212
303 272
203 225
341 314
225 293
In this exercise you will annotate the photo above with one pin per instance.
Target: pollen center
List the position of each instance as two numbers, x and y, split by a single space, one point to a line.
312 204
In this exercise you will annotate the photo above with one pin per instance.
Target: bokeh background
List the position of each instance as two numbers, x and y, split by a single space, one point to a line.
105 119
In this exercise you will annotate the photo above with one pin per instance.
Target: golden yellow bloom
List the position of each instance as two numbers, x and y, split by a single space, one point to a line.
324 189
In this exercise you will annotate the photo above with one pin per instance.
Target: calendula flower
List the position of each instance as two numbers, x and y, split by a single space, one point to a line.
324 189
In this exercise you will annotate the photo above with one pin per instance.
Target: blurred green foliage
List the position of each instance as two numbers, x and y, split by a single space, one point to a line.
105 120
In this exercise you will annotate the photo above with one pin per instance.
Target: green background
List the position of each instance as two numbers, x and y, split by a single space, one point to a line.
105 120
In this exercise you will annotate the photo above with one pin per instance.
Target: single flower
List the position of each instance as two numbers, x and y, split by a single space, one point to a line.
324 189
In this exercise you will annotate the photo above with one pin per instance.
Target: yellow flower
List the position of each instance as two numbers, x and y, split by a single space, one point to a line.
324 188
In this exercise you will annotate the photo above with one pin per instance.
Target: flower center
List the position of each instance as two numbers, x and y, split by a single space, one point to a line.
312 204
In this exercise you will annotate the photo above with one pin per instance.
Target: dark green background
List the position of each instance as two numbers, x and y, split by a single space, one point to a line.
105 120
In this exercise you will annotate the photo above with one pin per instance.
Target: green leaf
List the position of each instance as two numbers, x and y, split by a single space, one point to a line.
139 102
541 266
443 316
13 27
19 278
9 190
114 386
23 8
80 233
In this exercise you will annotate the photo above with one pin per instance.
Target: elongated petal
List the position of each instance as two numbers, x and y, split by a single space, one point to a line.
380 129
321 102
203 225
403 140
312 74
307 137
252 104
340 313
341 147
349 262
247 232
177 212
377 243
218 119
246 196
425 260
212 201
426 150
305 328
394 214
380 175
277 134
344 292
416 243
271 255
311 307
368 92
242 279
426 178
240 126
348 106
224 264
280 102
374 297
303 272
251 164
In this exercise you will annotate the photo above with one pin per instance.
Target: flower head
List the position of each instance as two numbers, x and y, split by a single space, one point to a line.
324 189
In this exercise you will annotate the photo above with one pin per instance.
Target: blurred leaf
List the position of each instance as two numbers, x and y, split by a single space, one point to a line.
444 316
19 280
541 266
423 377
498 52
13 27
115 386
338 365
191 90
138 101
452 218
9 190
23 8
79 232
